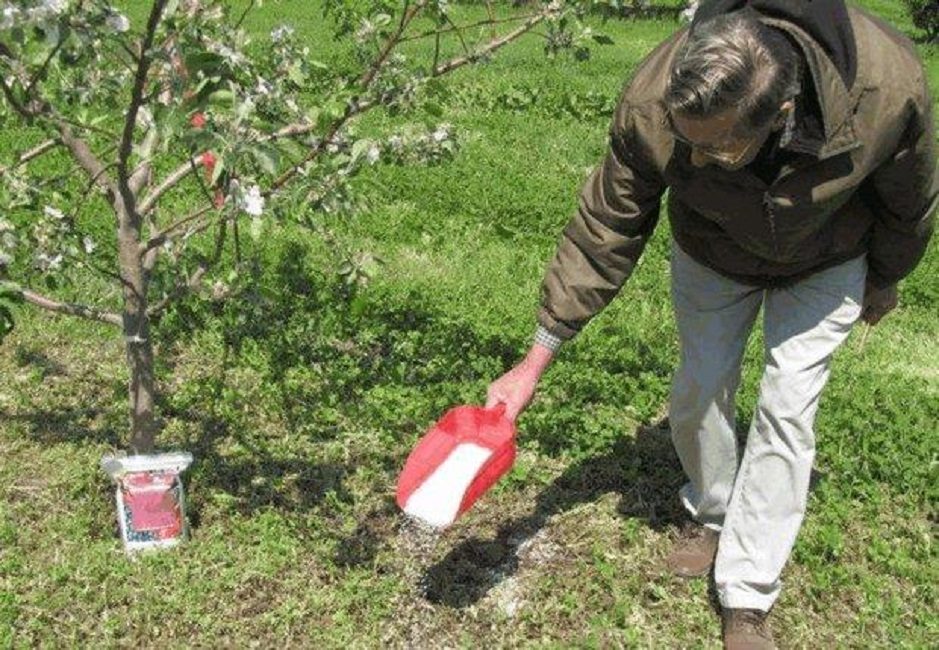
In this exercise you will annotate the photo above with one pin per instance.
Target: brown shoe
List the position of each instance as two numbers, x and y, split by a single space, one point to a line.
746 629
693 555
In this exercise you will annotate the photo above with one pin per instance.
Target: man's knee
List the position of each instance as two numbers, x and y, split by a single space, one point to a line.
695 393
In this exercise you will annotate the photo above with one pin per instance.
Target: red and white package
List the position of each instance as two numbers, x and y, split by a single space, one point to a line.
151 507
456 461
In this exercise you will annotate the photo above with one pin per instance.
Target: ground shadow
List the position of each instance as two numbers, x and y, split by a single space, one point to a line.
325 347
642 469
63 425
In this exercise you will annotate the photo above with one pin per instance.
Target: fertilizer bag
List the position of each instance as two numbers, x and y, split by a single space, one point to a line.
151 505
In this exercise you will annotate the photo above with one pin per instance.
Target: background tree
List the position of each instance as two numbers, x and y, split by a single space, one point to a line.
165 139
925 15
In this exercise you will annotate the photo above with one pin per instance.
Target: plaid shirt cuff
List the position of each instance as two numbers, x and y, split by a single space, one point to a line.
545 338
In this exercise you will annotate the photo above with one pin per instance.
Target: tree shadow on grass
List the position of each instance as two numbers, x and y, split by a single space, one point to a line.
64 425
324 349
49 425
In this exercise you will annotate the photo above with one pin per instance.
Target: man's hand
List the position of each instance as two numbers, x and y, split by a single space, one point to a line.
878 302
516 387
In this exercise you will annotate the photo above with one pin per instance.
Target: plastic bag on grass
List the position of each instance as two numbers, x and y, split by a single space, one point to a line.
151 503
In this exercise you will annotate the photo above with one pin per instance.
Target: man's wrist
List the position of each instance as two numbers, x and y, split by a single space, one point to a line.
546 339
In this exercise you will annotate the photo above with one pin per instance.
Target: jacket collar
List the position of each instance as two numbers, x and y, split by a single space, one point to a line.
834 99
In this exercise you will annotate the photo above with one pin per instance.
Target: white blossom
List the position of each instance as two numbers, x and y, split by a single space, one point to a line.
118 22
442 133
5 259
89 245
234 57
55 6
373 154
144 117
10 16
366 29
281 32
264 87
220 290
251 201
53 212
46 263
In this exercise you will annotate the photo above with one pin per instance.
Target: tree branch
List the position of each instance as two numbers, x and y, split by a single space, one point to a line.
482 23
42 70
193 281
356 107
140 80
244 14
33 153
406 17
149 202
72 309
85 158
168 233
141 177
492 46
459 32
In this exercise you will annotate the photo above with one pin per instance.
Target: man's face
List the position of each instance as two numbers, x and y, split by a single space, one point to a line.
720 139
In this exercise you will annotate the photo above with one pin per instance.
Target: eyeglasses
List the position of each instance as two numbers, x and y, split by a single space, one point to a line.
735 154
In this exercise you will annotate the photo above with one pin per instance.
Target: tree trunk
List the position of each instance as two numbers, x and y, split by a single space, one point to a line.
143 422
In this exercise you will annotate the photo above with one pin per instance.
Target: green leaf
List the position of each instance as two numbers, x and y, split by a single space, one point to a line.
267 158
222 97
256 229
208 63
359 148
296 74
217 172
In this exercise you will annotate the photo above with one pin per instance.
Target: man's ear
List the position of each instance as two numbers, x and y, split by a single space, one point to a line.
785 111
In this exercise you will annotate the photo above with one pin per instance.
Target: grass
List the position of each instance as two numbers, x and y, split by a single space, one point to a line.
300 402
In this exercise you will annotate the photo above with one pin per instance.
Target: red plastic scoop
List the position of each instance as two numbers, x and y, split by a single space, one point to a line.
456 461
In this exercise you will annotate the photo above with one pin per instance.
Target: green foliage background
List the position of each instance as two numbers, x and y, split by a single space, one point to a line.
302 394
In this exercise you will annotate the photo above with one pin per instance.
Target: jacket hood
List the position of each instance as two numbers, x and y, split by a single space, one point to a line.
826 21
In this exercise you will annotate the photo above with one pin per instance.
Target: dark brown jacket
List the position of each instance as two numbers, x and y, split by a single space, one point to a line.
864 179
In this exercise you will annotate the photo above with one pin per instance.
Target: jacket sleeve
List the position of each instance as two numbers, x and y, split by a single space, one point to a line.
617 212
906 190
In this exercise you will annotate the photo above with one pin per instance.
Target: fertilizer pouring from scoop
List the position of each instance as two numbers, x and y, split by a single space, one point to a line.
455 462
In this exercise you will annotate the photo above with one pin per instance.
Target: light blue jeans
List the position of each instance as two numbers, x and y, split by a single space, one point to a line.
758 504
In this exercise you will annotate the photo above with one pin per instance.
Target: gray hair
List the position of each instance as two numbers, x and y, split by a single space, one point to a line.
733 60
